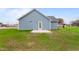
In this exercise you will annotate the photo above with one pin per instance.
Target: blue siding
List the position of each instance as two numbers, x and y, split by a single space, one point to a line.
54 25
27 25
30 22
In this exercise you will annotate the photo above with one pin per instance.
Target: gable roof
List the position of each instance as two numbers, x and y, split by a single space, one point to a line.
31 12
51 18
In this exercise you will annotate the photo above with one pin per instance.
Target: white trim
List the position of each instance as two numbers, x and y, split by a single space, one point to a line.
39 25
50 25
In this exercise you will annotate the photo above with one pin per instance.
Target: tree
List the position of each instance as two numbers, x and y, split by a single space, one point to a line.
61 22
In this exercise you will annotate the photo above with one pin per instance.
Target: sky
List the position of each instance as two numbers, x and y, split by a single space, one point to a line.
11 15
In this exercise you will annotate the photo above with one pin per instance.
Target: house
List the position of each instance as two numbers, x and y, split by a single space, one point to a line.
3 25
34 20
0 24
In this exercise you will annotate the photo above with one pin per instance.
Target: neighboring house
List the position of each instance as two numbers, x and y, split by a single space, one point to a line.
0 24
3 25
34 20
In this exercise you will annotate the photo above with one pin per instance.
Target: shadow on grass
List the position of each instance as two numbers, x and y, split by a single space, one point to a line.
24 30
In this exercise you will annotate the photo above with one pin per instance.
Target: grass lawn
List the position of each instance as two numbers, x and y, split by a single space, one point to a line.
66 39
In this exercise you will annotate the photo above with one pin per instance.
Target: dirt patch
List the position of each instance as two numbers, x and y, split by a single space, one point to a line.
30 44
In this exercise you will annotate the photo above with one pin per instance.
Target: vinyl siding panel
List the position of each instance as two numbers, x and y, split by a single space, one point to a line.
34 17
54 25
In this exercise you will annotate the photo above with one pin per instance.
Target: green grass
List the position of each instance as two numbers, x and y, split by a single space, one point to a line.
66 39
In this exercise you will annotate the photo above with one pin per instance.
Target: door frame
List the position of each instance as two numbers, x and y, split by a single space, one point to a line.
39 25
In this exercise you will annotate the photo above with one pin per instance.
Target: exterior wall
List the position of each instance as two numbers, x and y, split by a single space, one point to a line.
60 25
25 25
30 22
54 25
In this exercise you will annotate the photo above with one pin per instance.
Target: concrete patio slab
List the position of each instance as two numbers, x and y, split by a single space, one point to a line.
40 31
